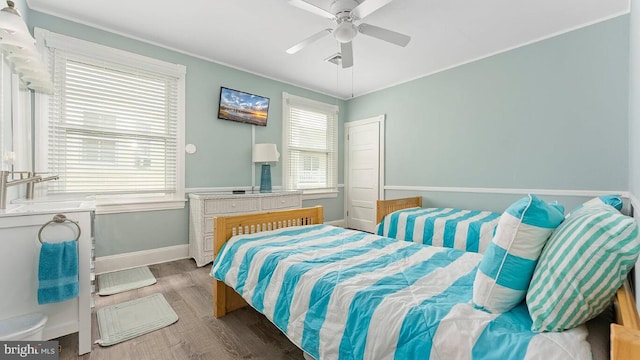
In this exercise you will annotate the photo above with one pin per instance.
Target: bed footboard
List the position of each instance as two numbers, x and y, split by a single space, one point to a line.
384 207
625 333
225 299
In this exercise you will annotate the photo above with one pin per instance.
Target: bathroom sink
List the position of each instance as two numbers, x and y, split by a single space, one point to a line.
47 207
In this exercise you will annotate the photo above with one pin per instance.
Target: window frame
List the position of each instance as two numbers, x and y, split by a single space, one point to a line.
106 204
287 99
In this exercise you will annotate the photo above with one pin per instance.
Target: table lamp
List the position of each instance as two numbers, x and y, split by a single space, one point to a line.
265 154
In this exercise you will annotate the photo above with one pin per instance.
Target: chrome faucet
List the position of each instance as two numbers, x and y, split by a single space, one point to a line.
26 177
31 185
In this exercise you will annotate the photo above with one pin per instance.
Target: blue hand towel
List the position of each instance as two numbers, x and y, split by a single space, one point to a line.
58 272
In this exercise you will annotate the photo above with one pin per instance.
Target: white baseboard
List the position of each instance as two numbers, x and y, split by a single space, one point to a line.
105 264
338 223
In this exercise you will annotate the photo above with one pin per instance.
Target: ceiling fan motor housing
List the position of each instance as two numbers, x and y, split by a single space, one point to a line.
342 9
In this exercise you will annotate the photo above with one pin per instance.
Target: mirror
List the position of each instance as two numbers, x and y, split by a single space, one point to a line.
15 125
6 133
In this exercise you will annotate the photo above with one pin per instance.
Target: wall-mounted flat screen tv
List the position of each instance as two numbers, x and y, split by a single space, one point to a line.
243 107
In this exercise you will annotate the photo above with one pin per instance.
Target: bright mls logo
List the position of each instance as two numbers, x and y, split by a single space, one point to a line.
29 350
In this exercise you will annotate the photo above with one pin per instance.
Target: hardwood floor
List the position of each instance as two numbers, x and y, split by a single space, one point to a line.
242 334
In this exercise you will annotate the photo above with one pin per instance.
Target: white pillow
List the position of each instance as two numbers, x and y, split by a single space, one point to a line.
613 200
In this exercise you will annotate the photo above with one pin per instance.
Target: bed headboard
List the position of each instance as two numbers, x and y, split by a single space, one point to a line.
384 207
225 299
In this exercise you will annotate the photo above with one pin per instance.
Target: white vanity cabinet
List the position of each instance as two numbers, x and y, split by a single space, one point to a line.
204 206
21 229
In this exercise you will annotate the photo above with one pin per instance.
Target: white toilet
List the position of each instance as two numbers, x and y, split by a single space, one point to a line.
23 327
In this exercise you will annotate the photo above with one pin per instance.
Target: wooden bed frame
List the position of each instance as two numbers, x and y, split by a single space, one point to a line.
625 333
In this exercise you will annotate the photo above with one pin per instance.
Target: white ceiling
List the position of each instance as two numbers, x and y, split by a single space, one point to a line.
253 35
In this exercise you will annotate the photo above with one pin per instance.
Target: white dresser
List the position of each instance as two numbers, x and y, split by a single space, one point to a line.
204 206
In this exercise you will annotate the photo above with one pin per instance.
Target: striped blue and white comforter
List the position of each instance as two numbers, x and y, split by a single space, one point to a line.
467 230
343 294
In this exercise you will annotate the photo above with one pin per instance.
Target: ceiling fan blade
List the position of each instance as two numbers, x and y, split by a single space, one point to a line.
346 52
315 37
311 8
384 34
367 7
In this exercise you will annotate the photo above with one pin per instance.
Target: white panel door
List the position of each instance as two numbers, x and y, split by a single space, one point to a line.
363 172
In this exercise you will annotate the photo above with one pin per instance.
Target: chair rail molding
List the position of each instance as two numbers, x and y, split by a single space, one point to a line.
517 191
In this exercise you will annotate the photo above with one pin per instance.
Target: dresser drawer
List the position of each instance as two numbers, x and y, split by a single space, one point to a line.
229 206
208 243
280 202
208 224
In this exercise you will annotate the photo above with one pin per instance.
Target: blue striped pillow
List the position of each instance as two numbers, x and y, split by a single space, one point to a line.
585 261
508 263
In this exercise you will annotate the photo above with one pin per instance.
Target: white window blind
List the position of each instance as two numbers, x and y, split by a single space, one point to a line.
113 128
310 149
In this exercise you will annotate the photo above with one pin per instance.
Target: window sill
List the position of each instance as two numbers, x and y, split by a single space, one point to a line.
105 204
310 195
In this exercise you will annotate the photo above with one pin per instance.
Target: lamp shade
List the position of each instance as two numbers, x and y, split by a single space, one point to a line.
263 153
20 50
16 41
11 21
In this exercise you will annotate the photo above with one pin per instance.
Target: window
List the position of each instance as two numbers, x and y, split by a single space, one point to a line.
310 149
114 125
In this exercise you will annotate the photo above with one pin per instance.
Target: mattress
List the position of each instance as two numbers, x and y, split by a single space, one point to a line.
344 294
467 230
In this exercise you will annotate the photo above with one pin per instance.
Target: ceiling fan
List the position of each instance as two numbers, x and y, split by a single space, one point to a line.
346 13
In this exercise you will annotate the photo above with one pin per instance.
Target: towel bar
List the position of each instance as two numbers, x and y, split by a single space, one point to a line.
59 219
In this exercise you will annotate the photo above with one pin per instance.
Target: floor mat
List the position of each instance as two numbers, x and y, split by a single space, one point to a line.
125 321
124 280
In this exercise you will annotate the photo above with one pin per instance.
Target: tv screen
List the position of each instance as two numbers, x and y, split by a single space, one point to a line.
243 107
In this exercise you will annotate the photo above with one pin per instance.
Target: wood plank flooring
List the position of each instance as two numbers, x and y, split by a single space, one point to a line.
242 334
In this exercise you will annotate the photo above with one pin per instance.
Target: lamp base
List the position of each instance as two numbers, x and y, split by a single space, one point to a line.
265 179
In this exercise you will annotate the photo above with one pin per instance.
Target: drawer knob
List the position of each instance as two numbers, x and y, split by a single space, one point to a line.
281 201
233 205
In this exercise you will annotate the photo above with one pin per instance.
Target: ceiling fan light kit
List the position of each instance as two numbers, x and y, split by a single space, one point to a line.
345 32
345 13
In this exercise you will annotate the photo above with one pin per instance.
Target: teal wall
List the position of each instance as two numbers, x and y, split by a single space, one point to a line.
223 157
550 115
634 101
634 119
